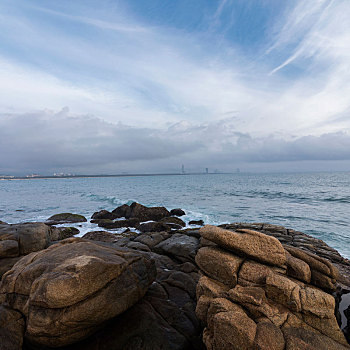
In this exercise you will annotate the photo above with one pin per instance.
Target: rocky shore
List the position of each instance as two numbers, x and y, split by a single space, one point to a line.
160 285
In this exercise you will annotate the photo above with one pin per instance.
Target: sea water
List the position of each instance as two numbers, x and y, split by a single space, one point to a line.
314 203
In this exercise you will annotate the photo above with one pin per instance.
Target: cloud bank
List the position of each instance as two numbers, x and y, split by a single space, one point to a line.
50 142
232 85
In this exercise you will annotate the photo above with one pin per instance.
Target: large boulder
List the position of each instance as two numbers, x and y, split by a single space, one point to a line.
247 243
67 291
20 239
143 213
64 218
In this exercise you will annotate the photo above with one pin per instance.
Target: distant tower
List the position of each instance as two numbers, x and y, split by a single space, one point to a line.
183 169
206 170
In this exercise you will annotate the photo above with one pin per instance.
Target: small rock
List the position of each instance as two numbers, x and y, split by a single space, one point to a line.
64 218
196 222
177 212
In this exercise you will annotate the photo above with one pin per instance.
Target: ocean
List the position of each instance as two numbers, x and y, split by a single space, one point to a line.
315 203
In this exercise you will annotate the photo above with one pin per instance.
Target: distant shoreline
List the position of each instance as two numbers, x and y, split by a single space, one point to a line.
97 176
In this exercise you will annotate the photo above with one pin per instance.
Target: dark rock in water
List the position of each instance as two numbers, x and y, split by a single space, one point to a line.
11 329
124 211
67 291
64 218
143 213
119 223
173 221
103 214
67 232
177 212
154 227
196 222
3 223
101 236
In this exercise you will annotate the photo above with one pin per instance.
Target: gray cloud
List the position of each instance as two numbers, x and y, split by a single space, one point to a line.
48 142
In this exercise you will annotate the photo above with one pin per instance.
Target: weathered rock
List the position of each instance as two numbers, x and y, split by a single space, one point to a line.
284 291
298 269
172 220
154 227
152 239
179 246
143 213
226 271
268 337
119 223
177 212
9 248
78 282
249 243
276 296
303 339
314 261
211 288
230 326
64 218
122 211
28 237
11 329
66 232
101 236
103 214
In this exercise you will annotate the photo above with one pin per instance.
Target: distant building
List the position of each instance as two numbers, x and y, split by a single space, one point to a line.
183 169
33 175
206 170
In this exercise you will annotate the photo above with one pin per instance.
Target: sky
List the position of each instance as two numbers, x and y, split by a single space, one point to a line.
107 87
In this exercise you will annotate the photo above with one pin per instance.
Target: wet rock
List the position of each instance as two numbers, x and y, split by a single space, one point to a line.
78 282
103 214
124 211
154 227
64 218
119 223
177 212
196 222
143 213
67 232
173 222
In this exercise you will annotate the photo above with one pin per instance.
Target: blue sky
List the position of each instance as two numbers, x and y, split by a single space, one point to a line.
255 84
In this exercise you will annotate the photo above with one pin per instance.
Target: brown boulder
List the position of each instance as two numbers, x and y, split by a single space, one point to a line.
103 214
101 236
122 211
218 264
247 243
154 227
80 283
11 329
268 337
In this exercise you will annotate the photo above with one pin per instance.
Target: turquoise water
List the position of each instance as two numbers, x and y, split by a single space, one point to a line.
315 203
